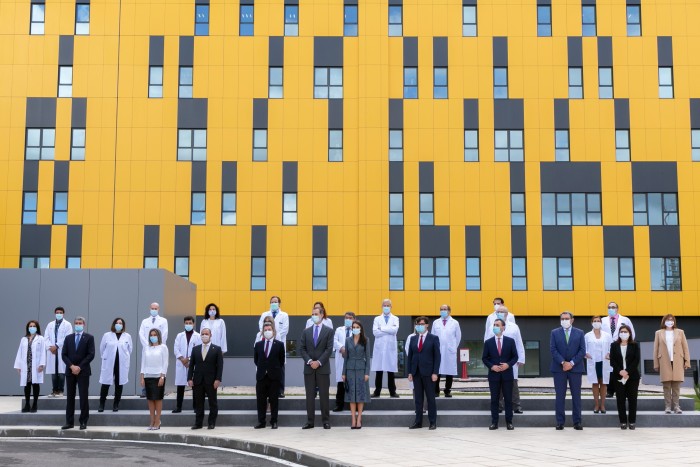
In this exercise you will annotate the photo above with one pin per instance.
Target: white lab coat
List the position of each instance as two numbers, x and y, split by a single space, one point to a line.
182 349
590 362
109 346
405 348
64 330
281 325
513 331
385 356
488 331
147 324
218 332
326 322
338 343
38 359
619 321
450 336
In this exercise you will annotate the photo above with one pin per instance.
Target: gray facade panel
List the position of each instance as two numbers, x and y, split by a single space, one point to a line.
192 113
260 113
622 114
35 240
471 114
199 176
410 51
557 241
618 240
61 171
605 54
65 50
396 242
41 112
156 50
276 51
695 113
30 180
570 177
182 240
229 176
664 241
426 177
440 51
335 114
258 240
434 241
328 51
518 241
78 117
508 114
74 240
396 114
575 49
290 177
517 177
186 51
561 114
151 240
665 50
500 51
396 177
320 240
654 177
472 240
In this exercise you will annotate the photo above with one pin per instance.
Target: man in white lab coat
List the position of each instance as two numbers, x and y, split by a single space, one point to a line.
55 334
184 342
513 331
611 324
448 330
155 321
342 333
281 329
385 356
488 329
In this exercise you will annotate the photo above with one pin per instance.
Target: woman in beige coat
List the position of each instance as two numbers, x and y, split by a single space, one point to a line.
671 359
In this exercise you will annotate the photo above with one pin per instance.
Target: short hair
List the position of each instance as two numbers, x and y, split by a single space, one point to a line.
80 318
350 313
422 318
448 307
499 319
205 329
188 318
323 308
271 325
501 300
567 312
279 300
387 300
115 322
594 317
157 331
663 321
59 308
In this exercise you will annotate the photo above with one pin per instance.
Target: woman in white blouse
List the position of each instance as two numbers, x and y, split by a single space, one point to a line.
154 366
212 320
30 363
671 359
598 362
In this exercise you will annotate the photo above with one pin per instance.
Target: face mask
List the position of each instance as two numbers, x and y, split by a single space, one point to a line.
444 314
78 328
32 330
267 334
154 313
274 306
153 339
212 313
118 327
499 315
189 327
669 324
420 328
566 323
205 338
59 316
356 331
596 325
624 336
496 330
348 323
386 310
495 307
315 318
612 311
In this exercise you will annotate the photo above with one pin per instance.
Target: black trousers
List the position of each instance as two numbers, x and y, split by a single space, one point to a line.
199 392
424 385
58 381
626 393
516 397
378 382
180 397
312 381
282 382
267 389
496 387
104 392
448 385
340 395
82 382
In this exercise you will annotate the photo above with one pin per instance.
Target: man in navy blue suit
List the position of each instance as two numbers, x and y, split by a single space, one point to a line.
499 356
423 369
568 348
78 351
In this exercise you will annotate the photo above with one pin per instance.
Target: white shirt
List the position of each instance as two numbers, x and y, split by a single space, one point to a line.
154 361
596 348
669 343
623 349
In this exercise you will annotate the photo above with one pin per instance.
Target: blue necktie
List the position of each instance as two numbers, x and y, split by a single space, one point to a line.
347 332
274 314
77 339
315 335
386 319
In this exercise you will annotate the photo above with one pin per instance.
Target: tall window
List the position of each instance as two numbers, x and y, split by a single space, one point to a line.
335 145
291 20
695 144
396 145
435 273
571 209
558 274
65 81
471 145
257 273
199 209
619 273
395 208
655 208
201 20
622 146
440 83
328 83
544 20
588 20
665 82
29 206
500 82
634 20
320 273
34 262
410 82
469 20
561 145
182 267
246 22
40 144
191 145
259 145
517 209
666 274
396 273
77 144
473 273
186 82
155 81
37 18
519 273
395 20
508 146
276 79
150 262
82 19
575 83
289 209
427 206
605 82
72 262
350 20
228 208
60 208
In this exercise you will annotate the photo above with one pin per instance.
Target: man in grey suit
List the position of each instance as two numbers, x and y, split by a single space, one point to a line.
316 348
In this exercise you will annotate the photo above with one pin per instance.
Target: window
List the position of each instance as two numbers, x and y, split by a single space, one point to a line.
60 208
34 262
435 273
77 144
571 209
29 204
395 273
619 273
73 262
395 208
634 20
320 274
665 82
186 81
289 209
155 81
558 274
622 145
199 209
474 273
500 82
291 20
605 82
517 209
588 20
509 146
150 262
335 145
410 82
257 273
228 208
259 145
561 145
65 81
427 214
36 25
350 20
666 274
328 83
544 20
471 145
201 20
191 145
655 208
575 83
519 273
182 267
469 20
395 20
276 79
396 145
439 83
246 22
695 144
40 144
82 20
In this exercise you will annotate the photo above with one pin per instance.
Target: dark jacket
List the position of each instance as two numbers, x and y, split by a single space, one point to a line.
428 359
271 365
206 371
82 356
632 359
509 355
320 352
573 351
356 357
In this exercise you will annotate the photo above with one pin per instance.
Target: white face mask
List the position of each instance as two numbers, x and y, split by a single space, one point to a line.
267 334
205 338
624 336
596 325
496 307
566 323
669 324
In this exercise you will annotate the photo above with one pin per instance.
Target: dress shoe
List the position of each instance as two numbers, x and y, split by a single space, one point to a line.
115 408
631 426
509 426
596 411
560 427
273 425
326 426
281 396
623 426
33 409
177 410
448 395
211 426
602 411
578 426
26 408
308 426
338 409
394 396
196 427
519 411
415 425
66 427
101 408
432 426
83 426
493 426
260 426
375 395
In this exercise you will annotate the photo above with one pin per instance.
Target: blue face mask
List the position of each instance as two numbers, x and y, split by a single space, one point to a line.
356 331
274 306
188 327
118 327
420 328
32 330
59 316
154 313
386 310
496 330
78 328
348 323
444 314
499 315
612 311
315 318
212 313
153 339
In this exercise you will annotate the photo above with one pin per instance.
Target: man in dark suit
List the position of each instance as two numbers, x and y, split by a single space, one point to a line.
316 348
204 377
78 351
499 356
568 348
423 369
269 359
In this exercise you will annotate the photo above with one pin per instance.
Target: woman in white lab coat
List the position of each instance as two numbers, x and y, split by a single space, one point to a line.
115 350
30 363
598 362
212 320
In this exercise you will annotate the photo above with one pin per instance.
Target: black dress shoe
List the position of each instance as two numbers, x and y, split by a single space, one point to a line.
623 426
211 426
415 425
578 426
326 426
115 408
281 396
493 426
394 396
631 426
259 426
274 425
338 409
375 395
308 426
432 426
520 411
83 426
448 395
101 408
509 426
67 427
196 427
177 410
560 427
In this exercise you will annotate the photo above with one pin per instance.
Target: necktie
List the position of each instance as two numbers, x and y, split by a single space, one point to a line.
267 349
420 343
315 335
386 319
55 330
499 346
153 320
444 322
347 332
205 348
567 336
77 339
612 325
274 314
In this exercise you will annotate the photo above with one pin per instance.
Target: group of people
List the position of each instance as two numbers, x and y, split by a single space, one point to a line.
608 354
